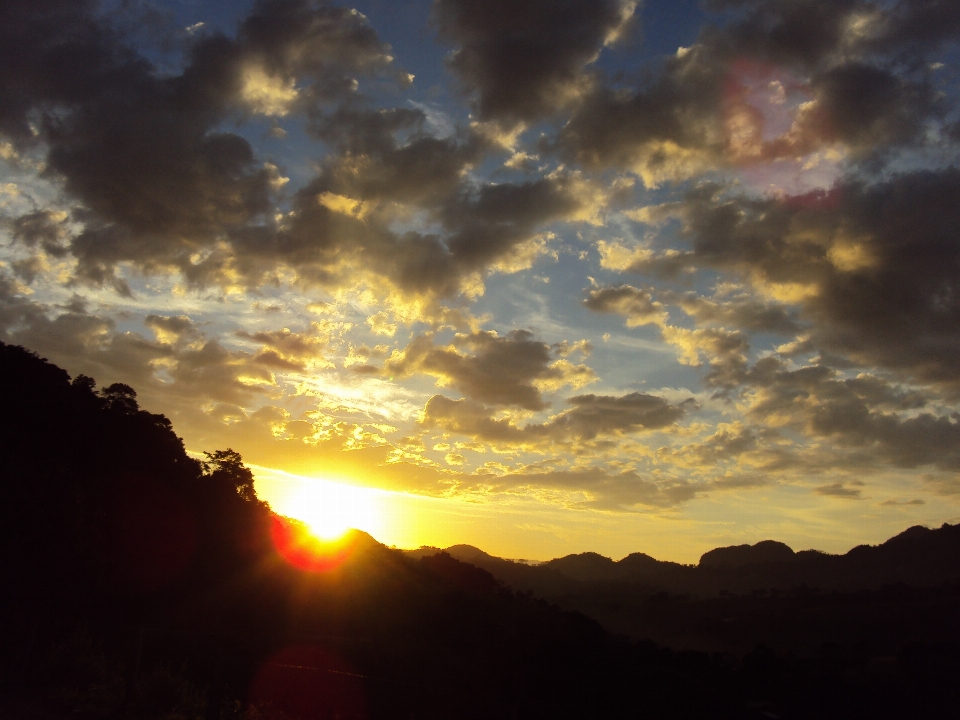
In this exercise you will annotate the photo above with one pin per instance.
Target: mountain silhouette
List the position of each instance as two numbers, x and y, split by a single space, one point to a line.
765 551
918 556
739 597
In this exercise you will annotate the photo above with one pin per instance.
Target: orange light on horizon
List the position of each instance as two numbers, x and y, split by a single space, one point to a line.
327 507
304 550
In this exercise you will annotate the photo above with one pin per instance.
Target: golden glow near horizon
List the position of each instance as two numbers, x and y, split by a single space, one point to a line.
520 527
329 508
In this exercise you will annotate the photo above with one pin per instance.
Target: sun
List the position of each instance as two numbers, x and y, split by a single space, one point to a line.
329 508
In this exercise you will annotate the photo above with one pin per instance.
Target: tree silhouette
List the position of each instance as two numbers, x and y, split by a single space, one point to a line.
226 468
120 398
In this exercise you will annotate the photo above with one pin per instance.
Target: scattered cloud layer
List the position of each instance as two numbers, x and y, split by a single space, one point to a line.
566 269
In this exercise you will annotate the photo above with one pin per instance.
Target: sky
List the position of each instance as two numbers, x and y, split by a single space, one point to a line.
542 277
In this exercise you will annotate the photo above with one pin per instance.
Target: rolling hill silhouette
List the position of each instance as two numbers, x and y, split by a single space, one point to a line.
918 556
737 597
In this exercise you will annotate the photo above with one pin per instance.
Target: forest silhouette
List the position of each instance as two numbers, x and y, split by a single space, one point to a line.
139 582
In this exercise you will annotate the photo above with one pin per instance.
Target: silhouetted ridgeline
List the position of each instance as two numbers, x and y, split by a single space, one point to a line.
919 556
738 597
137 582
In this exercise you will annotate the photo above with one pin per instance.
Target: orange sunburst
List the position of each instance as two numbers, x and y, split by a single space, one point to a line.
304 550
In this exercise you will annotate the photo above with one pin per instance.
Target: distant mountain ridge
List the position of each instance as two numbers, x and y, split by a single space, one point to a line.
919 556
742 555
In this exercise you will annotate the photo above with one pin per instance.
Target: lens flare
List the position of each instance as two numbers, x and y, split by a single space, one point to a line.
304 550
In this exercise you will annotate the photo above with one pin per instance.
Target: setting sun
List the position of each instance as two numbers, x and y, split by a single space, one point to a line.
328 508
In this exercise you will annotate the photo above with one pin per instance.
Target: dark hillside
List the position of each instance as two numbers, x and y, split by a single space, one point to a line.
140 583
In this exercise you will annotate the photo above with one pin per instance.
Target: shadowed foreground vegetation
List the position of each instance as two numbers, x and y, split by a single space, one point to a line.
138 582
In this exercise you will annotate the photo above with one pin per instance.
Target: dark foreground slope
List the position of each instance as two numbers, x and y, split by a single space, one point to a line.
140 583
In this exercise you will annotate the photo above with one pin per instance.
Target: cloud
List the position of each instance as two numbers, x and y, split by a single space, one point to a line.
287 350
741 311
725 349
902 503
839 490
390 155
315 43
669 264
43 229
181 367
161 186
858 413
604 490
504 371
873 268
777 81
588 417
722 348
142 151
172 329
866 273
343 225
729 442
526 61
636 305
593 415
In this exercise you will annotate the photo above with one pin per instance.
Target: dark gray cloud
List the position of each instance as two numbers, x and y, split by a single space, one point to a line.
172 329
473 419
840 490
343 219
142 151
593 415
809 31
648 306
666 128
729 443
525 60
43 229
898 426
317 44
902 503
637 305
488 223
589 417
389 155
501 371
875 268
849 72
736 310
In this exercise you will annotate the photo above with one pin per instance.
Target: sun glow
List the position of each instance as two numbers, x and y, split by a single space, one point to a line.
328 508
307 552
